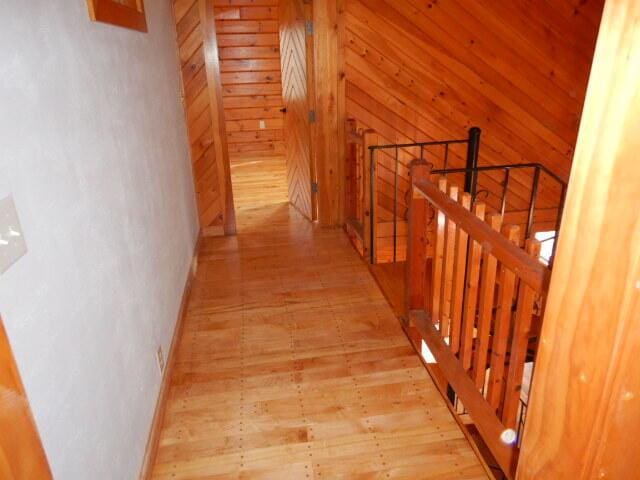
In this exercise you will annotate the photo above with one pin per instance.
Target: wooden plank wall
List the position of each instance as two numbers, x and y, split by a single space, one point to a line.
202 94
249 48
429 70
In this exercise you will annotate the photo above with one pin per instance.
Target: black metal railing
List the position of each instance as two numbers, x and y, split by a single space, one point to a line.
471 173
473 147
535 183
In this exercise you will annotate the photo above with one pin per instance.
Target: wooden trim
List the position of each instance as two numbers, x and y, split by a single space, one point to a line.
329 137
483 415
526 268
21 451
583 419
213 231
415 339
218 126
151 449
115 13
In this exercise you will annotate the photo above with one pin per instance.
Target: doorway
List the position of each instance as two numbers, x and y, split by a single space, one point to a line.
264 62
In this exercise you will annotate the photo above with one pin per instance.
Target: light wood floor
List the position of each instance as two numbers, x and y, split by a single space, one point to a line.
258 182
293 366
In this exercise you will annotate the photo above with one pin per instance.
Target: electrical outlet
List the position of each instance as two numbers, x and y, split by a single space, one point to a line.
160 358
263 125
12 243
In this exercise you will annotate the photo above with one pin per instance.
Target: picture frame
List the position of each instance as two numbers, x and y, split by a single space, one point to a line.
123 13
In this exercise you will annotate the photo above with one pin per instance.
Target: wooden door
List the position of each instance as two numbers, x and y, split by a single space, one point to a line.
21 453
295 62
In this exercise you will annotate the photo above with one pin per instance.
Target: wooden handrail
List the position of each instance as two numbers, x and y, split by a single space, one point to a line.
532 272
481 293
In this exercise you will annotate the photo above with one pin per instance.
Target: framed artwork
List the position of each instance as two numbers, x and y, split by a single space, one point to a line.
124 13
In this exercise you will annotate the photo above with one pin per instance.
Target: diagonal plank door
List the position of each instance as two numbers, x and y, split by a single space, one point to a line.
295 95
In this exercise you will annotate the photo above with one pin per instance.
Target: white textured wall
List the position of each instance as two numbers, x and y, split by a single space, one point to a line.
94 150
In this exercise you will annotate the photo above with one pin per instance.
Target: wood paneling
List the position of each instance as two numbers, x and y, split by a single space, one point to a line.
296 94
329 105
583 419
420 71
249 47
291 365
21 453
202 98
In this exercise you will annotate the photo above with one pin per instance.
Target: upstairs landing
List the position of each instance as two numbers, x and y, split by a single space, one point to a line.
292 365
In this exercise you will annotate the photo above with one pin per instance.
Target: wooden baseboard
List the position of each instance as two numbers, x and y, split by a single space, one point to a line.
158 416
213 231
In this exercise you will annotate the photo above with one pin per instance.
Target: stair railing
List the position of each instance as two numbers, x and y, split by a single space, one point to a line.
435 152
476 304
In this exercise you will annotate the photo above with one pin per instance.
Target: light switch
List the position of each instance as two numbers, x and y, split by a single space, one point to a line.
12 243
262 125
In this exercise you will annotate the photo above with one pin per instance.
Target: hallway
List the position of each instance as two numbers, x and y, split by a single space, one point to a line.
291 365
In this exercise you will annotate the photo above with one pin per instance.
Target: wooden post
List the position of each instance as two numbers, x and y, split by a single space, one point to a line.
370 139
330 111
415 271
21 452
218 129
351 174
583 419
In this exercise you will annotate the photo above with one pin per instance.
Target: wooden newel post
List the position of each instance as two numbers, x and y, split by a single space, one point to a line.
351 173
415 272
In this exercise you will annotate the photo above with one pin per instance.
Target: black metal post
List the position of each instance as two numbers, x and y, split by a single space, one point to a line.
505 189
473 148
563 193
532 202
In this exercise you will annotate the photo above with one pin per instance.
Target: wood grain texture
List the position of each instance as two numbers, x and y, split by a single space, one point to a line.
123 13
329 138
202 99
297 96
420 71
586 385
292 365
249 47
21 452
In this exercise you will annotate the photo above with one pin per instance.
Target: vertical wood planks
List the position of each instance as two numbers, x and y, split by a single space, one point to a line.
502 326
327 74
519 344
471 296
459 273
202 99
301 171
417 245
586 385
487 292
449 259
369 226
438 259
218 129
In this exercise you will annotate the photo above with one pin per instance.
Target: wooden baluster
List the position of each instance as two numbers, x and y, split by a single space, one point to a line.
449 258
438 259
471 297
415 270
459 270
487 293
519 344
502 326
